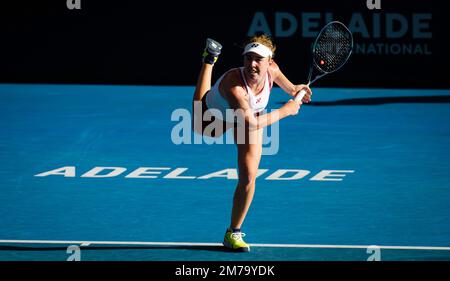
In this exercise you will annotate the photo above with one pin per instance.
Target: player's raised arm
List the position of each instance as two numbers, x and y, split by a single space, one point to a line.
281 80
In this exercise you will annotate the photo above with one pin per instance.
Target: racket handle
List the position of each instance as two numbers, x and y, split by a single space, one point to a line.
298 98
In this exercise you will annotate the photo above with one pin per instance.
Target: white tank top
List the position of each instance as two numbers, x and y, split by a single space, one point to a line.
257 103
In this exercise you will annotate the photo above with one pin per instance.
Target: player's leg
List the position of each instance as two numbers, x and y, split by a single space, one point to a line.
210 56
249 156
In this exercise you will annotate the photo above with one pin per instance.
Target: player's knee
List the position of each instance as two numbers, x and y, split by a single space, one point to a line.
200 129
196 123
247 181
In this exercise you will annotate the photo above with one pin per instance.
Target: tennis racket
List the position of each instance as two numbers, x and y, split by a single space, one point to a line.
331 50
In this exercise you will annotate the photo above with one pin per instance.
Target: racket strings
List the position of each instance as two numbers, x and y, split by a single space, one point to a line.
333 47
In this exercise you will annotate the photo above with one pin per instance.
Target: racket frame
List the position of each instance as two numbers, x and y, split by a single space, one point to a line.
315 66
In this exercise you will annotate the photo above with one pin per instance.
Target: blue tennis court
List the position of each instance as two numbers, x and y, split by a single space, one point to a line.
358 174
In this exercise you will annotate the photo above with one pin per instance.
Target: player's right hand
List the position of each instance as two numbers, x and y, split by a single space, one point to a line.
307 89
292 107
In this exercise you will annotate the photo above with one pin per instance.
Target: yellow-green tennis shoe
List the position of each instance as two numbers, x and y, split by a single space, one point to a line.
234 242
212 51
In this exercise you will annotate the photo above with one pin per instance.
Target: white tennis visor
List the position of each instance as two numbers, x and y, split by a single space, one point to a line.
259 49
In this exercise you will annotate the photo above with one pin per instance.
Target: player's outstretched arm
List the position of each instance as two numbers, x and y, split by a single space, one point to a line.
242 110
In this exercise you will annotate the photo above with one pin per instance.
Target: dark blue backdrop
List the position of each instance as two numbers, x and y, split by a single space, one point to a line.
405 44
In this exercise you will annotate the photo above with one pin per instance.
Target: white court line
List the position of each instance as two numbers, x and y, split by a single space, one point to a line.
125 243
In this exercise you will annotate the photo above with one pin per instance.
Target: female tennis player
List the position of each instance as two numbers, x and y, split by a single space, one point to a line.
245 90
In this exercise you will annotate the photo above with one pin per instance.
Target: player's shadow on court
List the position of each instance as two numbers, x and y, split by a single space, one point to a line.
382 100
100 248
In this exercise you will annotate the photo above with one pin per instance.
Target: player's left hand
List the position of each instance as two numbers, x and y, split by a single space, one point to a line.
307 97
